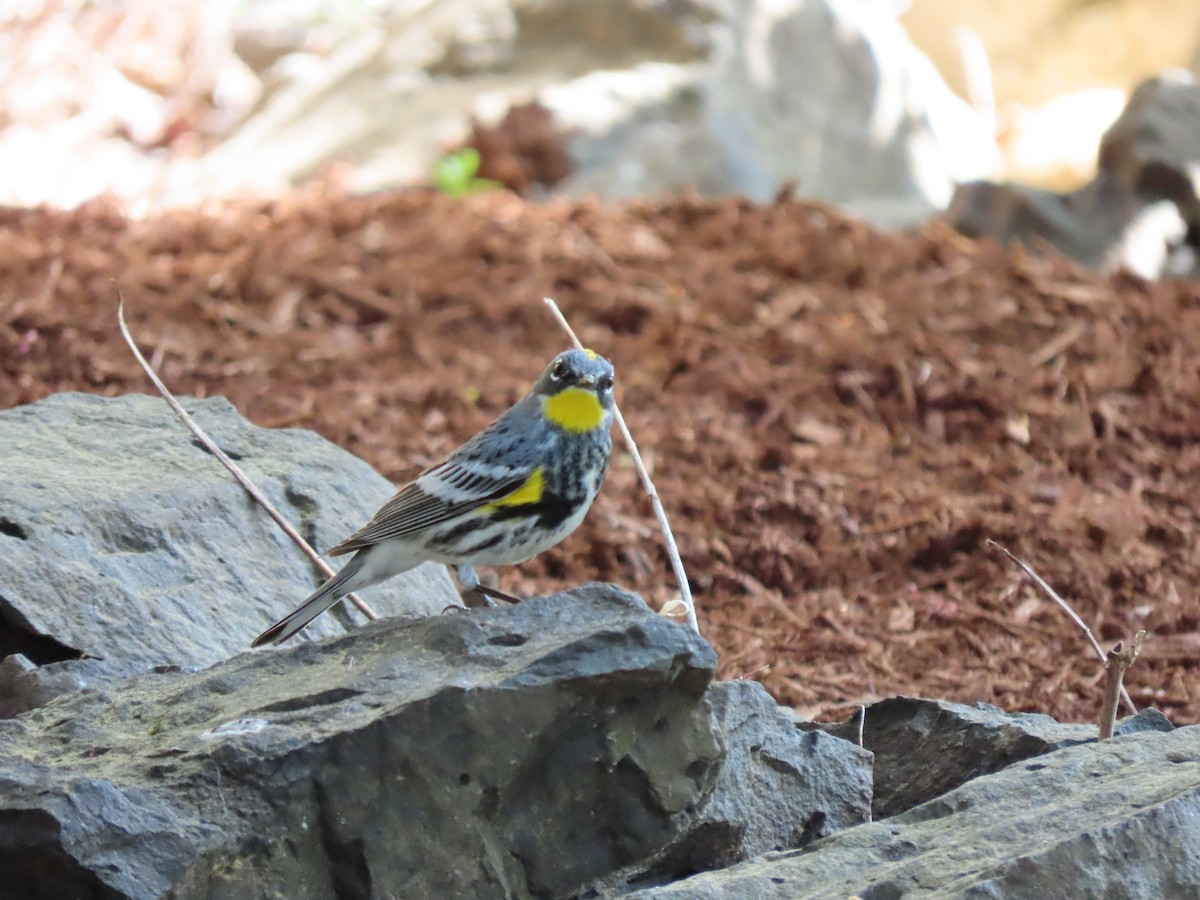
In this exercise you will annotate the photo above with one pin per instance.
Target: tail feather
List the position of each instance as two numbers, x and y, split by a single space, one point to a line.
320 600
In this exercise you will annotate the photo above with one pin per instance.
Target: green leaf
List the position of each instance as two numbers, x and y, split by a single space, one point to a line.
454 174
469 157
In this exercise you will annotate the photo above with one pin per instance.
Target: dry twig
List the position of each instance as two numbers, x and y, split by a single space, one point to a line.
672 550
228 463
1050 592
1119 659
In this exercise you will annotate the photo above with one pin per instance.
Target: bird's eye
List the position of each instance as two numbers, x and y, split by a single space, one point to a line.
559 370
606 382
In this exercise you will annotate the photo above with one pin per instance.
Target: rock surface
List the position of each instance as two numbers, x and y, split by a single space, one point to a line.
570 743
778 788
1084 225
24 685
924 748
112 516
834 97
1142 210
886 138
1153 148
475 755
1116 819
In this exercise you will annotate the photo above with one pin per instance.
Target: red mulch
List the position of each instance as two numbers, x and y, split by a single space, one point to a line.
836 419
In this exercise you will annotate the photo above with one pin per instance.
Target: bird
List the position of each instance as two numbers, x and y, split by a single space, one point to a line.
512 491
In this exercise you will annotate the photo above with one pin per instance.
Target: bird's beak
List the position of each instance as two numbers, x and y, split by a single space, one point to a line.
587 380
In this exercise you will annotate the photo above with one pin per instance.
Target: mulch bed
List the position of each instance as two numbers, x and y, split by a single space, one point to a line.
837 420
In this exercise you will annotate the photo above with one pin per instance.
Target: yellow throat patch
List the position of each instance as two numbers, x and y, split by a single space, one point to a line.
527 493
574 410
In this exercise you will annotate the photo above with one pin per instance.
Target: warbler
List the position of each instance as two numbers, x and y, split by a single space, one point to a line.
515 489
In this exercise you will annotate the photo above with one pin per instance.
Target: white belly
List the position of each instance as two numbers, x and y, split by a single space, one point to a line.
525 542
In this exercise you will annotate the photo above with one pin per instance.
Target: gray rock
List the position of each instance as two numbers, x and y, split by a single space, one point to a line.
885 139
637 131
1103 225
835 97
1154 244
1148 719
24 685
516 752
1083 225
1154 146
778 788
121 538
1116 819
924 748
1142 210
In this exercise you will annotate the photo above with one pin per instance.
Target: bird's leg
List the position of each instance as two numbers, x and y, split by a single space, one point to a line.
477 594
492 594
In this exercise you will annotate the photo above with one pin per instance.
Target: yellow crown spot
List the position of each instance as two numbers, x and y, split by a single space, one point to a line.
591 354
527 493
574 410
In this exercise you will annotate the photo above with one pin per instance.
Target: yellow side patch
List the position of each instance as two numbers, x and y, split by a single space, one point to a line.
529 492
574 410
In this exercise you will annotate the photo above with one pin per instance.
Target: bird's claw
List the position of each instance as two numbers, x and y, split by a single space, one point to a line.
481 595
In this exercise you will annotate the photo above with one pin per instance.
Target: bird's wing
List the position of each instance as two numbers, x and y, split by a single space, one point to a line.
441 493
488 467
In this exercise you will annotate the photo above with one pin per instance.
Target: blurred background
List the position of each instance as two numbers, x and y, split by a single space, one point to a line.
856 402
1074 122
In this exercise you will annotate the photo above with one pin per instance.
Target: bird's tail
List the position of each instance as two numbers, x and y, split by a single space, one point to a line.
320 600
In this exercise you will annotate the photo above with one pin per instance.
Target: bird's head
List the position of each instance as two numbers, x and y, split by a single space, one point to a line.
577 390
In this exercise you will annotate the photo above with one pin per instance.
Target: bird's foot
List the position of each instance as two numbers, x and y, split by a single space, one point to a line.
482 595
475 594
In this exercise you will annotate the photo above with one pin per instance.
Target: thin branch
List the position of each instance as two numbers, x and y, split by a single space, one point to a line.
1119 659
228 463
672 550
1049 592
